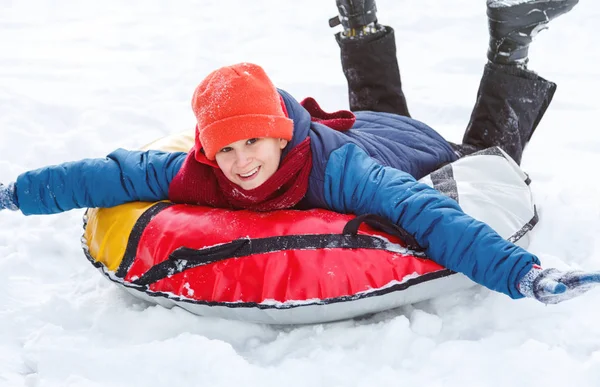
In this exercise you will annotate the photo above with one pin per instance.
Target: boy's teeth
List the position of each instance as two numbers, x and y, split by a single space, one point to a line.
249 173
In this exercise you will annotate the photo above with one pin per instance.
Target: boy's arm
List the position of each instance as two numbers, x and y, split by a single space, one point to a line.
123 176
355 183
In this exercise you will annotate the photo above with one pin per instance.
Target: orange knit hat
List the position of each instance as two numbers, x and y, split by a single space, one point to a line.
235 103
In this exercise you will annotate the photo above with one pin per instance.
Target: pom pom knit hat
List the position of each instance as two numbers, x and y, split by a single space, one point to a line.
235 103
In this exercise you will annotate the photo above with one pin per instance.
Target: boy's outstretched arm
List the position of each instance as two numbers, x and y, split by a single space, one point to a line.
123 176
355 183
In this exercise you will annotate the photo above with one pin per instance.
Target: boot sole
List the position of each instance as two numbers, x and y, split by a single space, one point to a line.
507 19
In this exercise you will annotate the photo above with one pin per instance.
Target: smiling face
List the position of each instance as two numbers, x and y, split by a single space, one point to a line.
249 163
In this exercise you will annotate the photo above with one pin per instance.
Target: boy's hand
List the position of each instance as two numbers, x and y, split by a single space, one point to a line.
8 198
552 286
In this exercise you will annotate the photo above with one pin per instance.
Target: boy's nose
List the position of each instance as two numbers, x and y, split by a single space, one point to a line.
243 159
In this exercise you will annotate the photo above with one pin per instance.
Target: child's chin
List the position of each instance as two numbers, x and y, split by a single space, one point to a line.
248 185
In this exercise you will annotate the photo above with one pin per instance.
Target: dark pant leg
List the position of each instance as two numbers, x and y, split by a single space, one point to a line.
371 68
510 104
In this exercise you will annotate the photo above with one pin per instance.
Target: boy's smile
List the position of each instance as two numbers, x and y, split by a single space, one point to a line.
250 162
250 175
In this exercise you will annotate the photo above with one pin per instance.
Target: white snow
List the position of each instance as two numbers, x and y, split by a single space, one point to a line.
79 79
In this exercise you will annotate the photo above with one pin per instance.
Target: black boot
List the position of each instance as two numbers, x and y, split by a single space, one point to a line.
355 16
512 27
510 104
371 68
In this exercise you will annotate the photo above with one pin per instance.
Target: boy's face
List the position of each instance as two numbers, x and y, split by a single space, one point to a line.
249 163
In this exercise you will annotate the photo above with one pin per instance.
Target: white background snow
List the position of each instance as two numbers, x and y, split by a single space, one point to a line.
79 79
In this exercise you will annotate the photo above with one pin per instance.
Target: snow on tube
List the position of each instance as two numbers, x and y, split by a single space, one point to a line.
290 266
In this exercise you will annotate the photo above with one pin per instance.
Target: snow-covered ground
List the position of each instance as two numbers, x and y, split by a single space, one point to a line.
79 79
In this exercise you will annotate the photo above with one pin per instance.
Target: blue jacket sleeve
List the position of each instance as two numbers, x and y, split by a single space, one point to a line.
123 176
355 183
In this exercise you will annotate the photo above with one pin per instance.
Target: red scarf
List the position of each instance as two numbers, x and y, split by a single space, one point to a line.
282 190
201 182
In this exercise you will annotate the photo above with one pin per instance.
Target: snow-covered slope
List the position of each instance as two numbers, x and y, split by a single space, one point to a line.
79 79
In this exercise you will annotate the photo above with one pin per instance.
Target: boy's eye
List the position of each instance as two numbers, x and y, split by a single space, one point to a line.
251 141
225 150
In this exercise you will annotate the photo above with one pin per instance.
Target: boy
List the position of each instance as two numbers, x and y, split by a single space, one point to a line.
257 148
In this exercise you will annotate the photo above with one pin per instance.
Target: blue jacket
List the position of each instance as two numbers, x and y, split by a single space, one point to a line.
371 168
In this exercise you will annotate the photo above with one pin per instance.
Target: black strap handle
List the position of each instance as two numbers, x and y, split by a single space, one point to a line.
385 225
185 258
210 254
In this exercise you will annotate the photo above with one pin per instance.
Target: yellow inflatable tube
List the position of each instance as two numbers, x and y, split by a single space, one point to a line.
107 230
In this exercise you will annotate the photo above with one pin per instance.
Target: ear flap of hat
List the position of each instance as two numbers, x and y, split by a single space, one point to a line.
199 153
200 156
